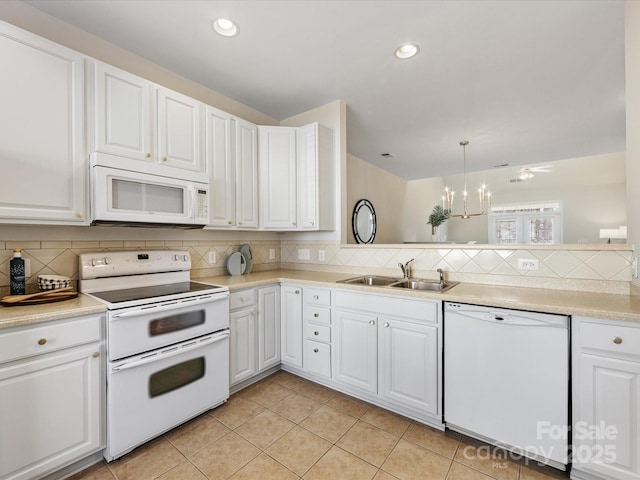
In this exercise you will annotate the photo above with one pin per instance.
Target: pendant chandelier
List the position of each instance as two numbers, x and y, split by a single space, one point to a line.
484 196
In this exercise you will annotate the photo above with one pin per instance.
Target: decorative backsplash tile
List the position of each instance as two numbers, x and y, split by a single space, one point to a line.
61 257
594 268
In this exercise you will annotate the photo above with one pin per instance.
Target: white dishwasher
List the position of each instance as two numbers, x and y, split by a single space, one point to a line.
506 379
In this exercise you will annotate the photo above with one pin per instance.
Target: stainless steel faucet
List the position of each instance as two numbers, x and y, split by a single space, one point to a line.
441 272
406 269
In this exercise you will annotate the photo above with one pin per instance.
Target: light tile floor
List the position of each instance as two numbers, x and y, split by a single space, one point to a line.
286 427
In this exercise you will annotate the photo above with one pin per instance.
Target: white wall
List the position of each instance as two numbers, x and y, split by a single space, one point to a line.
632 70
420 198
384 190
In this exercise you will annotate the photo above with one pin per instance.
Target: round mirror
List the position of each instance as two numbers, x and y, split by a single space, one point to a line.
364 222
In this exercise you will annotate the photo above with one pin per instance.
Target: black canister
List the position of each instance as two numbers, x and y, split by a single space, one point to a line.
16 271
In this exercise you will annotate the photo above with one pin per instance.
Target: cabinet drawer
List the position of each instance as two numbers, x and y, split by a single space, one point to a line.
49 337
242 299
611 338
317 296
320 333
311 313
317 358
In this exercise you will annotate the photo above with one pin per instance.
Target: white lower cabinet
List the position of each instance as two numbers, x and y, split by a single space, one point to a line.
390 346
254 321
606 399
408 370
268 327
316 314
51 396
291 324
356 350
243 334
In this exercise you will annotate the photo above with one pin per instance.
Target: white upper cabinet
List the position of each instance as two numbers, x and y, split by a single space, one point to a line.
179 130
246 153
297 178
233 170
42 156
138 120
278 177
122 113
316 178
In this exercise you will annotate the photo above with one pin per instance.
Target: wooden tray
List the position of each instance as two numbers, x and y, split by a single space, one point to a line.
50 298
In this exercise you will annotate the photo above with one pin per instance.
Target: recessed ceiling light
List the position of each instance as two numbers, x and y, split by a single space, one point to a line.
225 27
408 50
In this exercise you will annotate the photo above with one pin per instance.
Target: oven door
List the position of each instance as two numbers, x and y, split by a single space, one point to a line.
141 329
151 393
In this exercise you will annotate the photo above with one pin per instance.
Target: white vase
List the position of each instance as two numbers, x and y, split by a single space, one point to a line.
439 233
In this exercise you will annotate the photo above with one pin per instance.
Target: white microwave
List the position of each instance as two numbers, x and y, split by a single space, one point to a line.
123 197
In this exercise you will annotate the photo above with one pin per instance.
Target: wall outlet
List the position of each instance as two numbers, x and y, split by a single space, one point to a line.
272 254
304 254
321 256
213 257
528 264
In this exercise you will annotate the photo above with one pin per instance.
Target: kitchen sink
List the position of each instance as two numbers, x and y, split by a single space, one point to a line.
410 284
372 280
432 286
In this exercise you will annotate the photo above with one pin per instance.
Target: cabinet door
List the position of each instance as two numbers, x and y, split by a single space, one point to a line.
356 350
268 327
409 364
246 155
42 154
51 411
179 131
242 346
122 113
291 325
307 150
221 168
278 195
608 399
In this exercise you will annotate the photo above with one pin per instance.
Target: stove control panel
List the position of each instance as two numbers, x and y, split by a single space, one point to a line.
116 264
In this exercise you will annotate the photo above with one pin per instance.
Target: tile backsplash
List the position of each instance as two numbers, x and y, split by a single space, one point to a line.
61 257
594 268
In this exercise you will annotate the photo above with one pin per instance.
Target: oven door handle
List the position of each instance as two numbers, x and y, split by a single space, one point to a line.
178 304
172 351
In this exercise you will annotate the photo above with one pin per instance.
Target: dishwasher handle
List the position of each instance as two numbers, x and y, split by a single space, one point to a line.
506 318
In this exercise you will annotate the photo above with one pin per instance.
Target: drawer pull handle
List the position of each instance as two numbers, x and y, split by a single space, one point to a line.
316 333
386 324
316 315
96 354
617 340
297 292
42 341
372 322
315 350
316 297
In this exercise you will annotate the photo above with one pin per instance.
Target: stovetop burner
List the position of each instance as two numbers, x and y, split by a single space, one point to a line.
152 292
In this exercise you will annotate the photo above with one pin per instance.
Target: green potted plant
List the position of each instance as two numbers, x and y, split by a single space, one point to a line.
438 216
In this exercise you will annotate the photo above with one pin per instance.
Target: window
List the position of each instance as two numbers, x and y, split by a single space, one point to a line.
532 223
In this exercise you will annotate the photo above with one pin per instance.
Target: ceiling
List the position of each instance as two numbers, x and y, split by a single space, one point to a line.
523 81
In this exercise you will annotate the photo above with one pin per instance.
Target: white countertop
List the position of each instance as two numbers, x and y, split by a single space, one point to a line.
599 305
